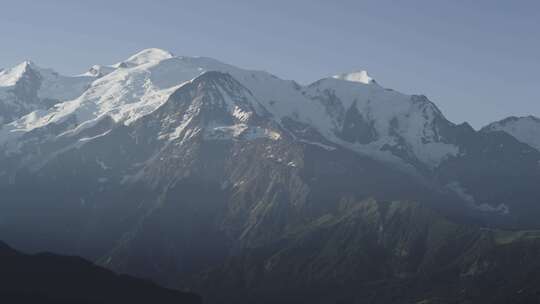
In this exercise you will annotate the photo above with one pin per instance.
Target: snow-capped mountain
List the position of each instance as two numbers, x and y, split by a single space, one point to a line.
185 163
47 114
349 110
525 129
27 87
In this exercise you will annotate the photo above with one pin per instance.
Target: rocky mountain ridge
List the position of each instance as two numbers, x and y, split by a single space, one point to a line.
199 175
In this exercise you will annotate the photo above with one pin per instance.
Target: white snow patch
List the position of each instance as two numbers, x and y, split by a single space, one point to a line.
241 114
360 76
84 139
146 56
62 88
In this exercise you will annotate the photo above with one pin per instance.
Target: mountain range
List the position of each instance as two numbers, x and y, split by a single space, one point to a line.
241 185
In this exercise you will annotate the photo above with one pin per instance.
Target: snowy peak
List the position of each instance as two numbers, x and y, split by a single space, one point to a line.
27 87
147 56
51 84
525 129
215 106
18 91
10 77
359 76
152 55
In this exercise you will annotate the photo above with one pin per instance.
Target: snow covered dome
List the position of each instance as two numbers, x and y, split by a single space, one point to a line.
147 56
358 76
9 77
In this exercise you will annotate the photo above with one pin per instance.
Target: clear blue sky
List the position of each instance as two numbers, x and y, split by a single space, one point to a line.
477 60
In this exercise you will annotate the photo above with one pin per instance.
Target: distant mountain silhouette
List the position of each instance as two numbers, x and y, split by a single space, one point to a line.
48 278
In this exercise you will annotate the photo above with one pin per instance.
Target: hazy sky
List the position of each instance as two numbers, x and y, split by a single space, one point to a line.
477 60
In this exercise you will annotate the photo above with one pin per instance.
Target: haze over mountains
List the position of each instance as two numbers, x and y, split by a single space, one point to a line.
241 185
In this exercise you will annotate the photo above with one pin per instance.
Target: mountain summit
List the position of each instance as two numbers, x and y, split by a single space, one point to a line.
147 56
525 129
359 76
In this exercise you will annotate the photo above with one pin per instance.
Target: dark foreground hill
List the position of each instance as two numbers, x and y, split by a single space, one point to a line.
48 278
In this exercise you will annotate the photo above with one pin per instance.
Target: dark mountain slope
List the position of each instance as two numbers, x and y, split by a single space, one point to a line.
375 252
48 278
